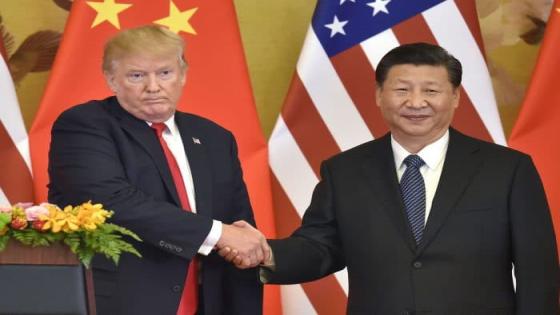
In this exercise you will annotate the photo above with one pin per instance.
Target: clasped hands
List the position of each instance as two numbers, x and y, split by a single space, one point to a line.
243 245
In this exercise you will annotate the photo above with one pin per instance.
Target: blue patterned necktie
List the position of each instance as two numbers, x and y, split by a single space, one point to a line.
414 195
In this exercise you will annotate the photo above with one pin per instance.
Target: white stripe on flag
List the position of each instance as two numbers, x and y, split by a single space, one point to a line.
458 40
10 115
295 301
329 95
290 167
3 199
342 277
377 46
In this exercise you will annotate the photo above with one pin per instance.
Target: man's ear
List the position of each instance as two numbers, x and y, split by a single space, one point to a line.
110 79
456 97
184 77
378 95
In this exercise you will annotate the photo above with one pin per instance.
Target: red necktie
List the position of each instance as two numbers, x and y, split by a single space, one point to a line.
189 298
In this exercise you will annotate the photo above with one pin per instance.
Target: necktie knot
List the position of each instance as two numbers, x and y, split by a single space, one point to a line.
413 160
158 128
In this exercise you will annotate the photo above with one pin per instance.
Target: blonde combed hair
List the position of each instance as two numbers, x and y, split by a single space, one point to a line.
149 39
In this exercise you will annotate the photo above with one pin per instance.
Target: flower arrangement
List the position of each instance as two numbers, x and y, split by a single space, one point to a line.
82 228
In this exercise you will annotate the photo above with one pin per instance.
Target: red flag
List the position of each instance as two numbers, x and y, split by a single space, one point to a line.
538 123
331 107
15 182
217 85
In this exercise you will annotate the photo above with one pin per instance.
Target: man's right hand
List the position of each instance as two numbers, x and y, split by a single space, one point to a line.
243 245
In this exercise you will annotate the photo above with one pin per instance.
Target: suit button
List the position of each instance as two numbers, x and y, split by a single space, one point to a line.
176 288
417 265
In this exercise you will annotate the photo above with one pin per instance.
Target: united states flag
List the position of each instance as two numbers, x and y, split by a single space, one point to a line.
15 176
330 106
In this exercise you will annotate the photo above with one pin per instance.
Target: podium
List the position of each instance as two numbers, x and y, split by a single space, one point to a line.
44 280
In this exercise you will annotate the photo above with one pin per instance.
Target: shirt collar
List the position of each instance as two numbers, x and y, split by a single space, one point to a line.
170 124
432 154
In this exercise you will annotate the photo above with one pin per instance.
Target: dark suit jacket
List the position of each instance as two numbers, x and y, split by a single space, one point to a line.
489 212
100 152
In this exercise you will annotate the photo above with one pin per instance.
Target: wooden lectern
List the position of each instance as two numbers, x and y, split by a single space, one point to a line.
44 280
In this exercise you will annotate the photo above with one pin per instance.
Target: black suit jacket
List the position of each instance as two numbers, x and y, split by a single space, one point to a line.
488 213
100 152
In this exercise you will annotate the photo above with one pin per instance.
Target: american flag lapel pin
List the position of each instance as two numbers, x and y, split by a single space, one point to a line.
196 140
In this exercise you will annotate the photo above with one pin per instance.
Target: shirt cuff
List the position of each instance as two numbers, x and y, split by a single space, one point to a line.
212 238
266 269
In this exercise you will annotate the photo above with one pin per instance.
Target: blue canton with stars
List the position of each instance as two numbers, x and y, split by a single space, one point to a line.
341 24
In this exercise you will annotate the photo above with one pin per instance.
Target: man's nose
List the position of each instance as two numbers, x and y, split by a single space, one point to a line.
416 100
152 84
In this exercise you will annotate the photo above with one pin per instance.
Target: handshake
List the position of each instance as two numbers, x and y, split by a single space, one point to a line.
243 245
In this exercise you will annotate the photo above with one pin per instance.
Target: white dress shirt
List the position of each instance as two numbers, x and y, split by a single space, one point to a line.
434 157
172 137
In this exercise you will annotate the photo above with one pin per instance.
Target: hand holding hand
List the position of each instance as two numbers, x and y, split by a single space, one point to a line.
243 245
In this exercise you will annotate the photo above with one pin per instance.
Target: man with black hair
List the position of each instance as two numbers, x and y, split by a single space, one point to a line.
427 220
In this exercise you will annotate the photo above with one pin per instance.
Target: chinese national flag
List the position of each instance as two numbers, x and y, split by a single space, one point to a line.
538 125
217 85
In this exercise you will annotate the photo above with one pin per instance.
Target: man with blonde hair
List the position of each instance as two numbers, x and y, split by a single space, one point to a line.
173 178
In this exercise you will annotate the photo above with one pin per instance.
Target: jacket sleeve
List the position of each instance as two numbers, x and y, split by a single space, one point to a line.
534 245
314 250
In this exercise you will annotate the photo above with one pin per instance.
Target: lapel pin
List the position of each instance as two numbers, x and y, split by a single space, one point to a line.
195 140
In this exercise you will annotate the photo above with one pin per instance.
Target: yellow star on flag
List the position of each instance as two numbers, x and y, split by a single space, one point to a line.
109 11
178 21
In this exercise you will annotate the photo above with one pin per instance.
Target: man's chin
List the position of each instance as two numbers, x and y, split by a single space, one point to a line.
154 116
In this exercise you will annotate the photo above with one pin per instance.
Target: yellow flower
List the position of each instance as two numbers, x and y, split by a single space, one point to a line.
57 220
87 216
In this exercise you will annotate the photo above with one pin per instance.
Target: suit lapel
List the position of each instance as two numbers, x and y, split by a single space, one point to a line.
379 169
195 148
146 138
461 164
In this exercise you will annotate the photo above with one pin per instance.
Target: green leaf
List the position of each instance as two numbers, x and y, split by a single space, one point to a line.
5 219
73 241
106 240
4 241
32 237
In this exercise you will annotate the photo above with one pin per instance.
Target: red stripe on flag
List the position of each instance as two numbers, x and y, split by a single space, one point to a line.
466 117
414 30
326 295
468 121
358 77
16 179
307 127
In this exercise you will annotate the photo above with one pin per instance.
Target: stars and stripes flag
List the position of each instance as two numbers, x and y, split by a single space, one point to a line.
15 180
330 106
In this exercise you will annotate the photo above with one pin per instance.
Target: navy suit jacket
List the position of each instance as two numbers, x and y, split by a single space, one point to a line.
100 152
489 213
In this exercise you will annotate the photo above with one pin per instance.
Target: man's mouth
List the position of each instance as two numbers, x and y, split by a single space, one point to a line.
154 100
416 117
